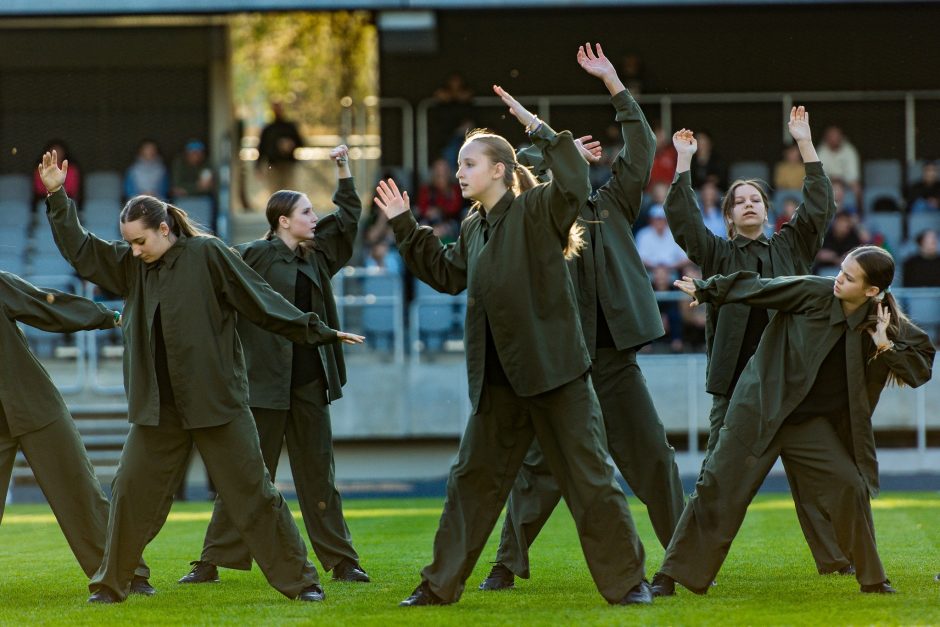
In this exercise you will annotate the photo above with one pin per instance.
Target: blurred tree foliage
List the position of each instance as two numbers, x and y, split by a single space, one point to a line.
309 61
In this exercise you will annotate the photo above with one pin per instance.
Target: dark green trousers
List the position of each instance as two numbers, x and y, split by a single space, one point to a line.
731 478
67 479
151 467
568 425
637 443
821 538
309 435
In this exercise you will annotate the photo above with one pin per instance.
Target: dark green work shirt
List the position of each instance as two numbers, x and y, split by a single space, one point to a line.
268 355
517 280
789 252
199 284
808 324
610 280
28 397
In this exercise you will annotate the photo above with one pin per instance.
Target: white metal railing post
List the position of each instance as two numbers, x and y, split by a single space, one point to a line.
910 128
692 384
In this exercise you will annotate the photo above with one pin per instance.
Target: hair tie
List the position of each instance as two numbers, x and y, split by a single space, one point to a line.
881 296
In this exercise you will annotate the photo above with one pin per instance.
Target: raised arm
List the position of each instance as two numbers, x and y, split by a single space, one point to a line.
792 294
805 231
442 267
909 356
561 199
106 263
631 169
52 310
336 233
250 295
683 214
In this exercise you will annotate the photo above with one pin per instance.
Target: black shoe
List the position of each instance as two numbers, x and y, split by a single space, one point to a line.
350 571
640 594
500 578
663 585
202 572
140 585
422 595
879 588
104 595
847 570
312 593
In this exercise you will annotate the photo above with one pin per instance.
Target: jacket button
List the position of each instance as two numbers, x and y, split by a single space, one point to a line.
605 213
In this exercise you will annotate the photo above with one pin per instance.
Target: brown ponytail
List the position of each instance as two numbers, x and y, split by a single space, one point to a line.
154 211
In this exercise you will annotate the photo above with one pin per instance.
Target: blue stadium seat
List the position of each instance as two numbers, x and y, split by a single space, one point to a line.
917 222
435 320
782 195
16 188
378 321
871 195
890 225
104 186
749 170
925 312
199 208
15 214
882 173
915 171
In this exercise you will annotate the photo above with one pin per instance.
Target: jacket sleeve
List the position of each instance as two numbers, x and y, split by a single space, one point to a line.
558 202
688 225
51 310
911 360
107 264
792 294
443 267
630 171
336 233
805 231
253 298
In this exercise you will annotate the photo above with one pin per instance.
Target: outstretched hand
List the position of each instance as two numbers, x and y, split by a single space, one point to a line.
350 338
53 176
595 63
519 112
684 141
879 334
799 124
391 201
687 285
589 148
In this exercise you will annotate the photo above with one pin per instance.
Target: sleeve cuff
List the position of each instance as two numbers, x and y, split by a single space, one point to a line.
683 178
402 225
544 132
347 184
58 197
814 167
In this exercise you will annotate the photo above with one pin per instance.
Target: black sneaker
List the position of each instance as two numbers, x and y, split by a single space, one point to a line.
879 588
312 593
663 585
640 594
500 578
140 585
847 570
202 572
350 571
422 595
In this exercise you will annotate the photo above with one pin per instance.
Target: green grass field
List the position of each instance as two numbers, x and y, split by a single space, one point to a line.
768 578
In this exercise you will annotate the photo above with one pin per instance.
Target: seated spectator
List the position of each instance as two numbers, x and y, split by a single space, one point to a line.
454 90
843 202
632 72
662 278
73 178
383 255
147 175
924 195
693 318
441 193
840 158
786 211
923 268
191 173
707 166
656 196
843 236
656 245
711 209
664 161
789 172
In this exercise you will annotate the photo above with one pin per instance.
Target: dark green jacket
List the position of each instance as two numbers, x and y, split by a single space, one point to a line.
808 323
268 356
199 285
790 252
518 280
29 397
609 269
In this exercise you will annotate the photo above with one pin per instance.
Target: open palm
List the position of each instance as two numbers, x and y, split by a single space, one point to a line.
53 176
594 63
799 124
